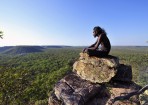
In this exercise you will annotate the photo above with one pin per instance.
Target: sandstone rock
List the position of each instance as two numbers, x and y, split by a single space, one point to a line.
103 96
53 100
117 89
122 89
94 69
81 87
73 90
144 98
124 73
110 61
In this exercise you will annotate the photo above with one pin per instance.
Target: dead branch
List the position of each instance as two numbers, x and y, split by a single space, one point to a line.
127 97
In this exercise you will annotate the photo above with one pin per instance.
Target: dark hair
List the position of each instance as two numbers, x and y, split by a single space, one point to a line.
100 30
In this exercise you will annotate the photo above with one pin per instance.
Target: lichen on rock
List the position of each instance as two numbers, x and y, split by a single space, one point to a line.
94 69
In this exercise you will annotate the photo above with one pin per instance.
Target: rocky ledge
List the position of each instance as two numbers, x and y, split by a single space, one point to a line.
95 81
94 69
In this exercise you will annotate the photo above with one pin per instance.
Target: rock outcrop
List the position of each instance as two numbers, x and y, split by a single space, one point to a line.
124 73
114 90
94 69
73 90
95 81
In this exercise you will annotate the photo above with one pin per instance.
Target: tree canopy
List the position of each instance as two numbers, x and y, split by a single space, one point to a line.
1 34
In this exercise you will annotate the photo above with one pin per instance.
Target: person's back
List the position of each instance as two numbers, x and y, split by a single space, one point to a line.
105 43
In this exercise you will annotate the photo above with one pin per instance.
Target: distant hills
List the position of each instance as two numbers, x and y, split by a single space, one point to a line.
25 49
31 49
56 46
5 48
20 49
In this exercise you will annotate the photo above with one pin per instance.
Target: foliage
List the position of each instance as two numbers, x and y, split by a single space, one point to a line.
29 79
1 34
25 79
137 57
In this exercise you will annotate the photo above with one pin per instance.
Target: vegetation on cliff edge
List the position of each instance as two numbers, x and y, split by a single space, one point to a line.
29 78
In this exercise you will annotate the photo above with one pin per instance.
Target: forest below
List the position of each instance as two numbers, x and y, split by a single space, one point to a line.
28 79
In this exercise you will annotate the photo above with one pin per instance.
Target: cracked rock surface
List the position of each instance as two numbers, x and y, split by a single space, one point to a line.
95 81
94 69
73 90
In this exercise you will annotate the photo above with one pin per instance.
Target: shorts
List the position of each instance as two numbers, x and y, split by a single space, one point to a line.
97 53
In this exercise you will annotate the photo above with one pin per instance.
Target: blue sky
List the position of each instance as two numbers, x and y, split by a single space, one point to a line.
70 22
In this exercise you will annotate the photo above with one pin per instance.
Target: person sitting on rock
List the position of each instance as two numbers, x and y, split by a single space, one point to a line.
102 40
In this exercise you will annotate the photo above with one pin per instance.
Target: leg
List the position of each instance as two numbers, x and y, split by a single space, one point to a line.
96 53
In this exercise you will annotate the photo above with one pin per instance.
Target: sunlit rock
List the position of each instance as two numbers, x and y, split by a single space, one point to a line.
94 69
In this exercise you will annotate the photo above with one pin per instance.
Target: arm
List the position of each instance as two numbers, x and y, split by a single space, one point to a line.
92 45
96 45
85 49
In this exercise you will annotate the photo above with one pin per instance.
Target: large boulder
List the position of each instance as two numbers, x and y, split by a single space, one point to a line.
81 86
116 89
72 90
94 69
124 73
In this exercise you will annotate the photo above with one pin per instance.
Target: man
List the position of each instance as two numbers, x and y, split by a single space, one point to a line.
102 40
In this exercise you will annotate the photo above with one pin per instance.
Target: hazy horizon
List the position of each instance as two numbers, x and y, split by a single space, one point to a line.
79 46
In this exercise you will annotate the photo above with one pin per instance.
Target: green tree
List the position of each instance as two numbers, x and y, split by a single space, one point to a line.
1 34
